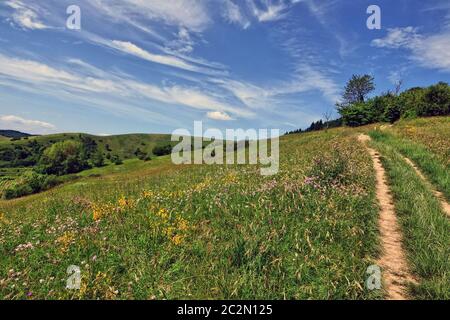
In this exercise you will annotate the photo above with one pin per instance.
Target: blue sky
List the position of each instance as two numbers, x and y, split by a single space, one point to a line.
157 65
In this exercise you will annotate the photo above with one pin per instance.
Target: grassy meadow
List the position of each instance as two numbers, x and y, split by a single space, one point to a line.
153 230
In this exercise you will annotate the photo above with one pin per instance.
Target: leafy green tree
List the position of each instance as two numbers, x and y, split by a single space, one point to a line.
357 89
64 157
358 114
97 159
411 101
437 100
89 146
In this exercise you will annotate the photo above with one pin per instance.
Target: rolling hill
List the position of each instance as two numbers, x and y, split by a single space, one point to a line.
122 145
13 134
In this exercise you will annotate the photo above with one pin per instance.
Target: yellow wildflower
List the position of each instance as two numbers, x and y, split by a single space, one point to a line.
65 241
163 214
100 211
147 194
177 240
123 203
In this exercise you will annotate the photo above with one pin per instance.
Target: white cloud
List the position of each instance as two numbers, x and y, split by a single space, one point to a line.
267 10
398 37
130 48
11 122
217 115
430 51
183 44
171 58
25 15
233 14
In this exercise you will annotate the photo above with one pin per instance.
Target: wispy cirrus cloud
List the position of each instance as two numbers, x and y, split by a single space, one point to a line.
306 80
191 14
131 48
269 10
25 15
95 81
234 14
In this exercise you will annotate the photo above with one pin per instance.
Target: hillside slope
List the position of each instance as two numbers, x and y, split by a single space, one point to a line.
158 231
13 134
122 145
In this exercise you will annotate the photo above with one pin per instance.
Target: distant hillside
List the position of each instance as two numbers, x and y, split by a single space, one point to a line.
124 146
13 134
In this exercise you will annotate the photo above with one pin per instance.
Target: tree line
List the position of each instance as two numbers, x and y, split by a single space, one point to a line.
357 109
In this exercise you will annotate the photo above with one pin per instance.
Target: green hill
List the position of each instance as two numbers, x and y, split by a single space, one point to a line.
13 134
124 146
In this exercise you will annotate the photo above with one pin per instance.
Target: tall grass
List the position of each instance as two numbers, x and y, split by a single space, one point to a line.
203 231
429 163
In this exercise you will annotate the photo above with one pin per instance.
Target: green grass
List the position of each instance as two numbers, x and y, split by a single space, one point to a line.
429 163
159 231
433 133
152 230
424 224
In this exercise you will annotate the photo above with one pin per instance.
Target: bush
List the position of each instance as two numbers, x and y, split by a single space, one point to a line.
116 160
62 158
162 150
29 183
358 114
97 159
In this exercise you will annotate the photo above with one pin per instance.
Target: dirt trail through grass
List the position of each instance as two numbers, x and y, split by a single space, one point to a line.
396 273
445 205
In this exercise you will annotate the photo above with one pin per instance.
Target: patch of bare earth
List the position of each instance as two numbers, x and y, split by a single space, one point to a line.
396 274
444 204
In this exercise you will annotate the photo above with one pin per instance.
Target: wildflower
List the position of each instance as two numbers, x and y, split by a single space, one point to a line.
163 213
65 241
177 240
22 247
100 210
147 194
123 202
182 224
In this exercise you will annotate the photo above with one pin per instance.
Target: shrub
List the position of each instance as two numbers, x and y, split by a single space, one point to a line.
63 158
116 160
29 183
97 159
358 114
162 150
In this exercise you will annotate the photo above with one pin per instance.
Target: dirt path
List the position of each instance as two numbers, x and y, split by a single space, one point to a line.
396 274
444 204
